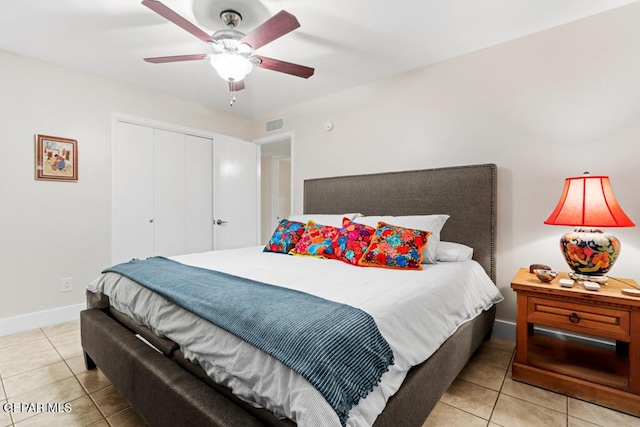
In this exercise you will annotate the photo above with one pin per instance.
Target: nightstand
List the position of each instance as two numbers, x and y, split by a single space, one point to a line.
609 377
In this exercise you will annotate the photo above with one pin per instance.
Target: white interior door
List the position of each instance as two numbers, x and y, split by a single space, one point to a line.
235 193
133 192
169 195
199 194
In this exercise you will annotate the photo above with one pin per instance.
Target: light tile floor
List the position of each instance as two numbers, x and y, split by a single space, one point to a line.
485 395
46 366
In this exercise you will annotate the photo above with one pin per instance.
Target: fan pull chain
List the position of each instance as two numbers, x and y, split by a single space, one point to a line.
233 98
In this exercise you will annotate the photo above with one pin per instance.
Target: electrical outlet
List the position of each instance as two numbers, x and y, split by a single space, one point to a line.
67 284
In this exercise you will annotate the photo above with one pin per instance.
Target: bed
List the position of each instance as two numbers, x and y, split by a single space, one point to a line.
165 388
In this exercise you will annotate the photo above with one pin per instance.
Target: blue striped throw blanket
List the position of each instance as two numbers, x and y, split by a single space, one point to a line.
336 347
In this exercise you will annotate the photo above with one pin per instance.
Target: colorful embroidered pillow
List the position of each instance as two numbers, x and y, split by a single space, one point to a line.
395 247
315 239
351 242
431 223
285 237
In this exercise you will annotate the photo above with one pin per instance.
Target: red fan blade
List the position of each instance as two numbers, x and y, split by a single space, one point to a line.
236 86
163 59
285 67
277 26
172 16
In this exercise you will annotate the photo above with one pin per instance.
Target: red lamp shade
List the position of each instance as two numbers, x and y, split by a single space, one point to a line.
588 201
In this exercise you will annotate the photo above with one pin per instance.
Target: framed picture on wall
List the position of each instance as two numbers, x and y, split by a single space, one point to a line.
56 158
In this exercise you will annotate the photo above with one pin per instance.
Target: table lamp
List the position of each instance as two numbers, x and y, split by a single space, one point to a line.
588 204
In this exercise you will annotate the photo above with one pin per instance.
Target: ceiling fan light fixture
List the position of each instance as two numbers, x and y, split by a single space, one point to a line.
232 55
231 66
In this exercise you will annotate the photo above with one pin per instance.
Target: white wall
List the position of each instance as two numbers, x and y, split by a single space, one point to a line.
51 230
544 107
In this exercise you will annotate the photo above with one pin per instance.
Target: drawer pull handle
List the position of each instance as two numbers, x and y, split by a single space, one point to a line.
574 318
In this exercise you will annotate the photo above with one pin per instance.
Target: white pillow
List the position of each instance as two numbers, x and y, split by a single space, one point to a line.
323 219
432 223
453 252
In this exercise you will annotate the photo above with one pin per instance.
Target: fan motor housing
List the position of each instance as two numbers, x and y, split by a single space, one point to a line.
230 39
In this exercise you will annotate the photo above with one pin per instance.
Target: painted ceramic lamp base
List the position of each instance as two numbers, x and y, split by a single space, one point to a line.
590 251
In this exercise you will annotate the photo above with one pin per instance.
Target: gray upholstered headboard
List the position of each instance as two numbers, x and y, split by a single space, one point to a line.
466 193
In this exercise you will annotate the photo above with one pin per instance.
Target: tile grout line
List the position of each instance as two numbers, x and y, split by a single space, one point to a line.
122 410
504 378
4 390
488 420
54 347
86 392
535 404
11 417
2 378
97 406
506 372
104 418
461 410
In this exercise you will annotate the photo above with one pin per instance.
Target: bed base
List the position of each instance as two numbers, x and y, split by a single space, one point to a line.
166 391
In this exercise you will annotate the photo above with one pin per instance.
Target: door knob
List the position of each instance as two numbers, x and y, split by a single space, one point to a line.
220 222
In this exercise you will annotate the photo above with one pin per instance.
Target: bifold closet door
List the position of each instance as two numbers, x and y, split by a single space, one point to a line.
170 189
199 194
133 227
169 193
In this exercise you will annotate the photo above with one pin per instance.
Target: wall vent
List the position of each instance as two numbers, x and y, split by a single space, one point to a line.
276 124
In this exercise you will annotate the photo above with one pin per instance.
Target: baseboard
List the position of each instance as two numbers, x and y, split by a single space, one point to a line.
504 329
507 330
38 319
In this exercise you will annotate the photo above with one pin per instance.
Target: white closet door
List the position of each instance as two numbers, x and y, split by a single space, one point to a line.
235 193
133 193
199 194
169 193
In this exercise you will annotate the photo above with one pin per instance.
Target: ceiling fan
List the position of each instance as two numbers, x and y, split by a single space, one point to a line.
233 52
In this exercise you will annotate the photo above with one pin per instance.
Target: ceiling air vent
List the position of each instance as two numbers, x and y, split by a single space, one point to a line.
276 124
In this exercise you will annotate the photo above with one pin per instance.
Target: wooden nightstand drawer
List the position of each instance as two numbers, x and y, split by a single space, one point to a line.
602 321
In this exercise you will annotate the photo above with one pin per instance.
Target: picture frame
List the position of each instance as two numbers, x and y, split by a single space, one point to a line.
56 158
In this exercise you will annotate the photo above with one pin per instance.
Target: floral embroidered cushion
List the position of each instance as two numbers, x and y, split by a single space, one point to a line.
351 242
285 237
314 240
395 247
431 223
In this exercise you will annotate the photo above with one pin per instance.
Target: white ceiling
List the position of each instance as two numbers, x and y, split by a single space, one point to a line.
349 43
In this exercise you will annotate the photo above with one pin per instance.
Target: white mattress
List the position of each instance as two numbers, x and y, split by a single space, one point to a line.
416 311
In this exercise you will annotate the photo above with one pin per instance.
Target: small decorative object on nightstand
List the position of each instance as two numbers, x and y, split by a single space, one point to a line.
538 267
588 204
608 377
545 275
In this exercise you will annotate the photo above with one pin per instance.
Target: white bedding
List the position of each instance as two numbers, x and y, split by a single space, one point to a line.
416 311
